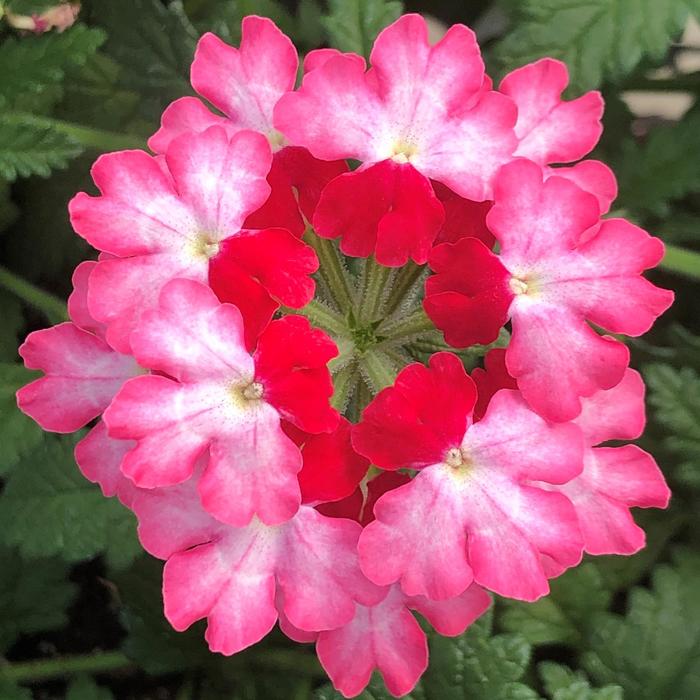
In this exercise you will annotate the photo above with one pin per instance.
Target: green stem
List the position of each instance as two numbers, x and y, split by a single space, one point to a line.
378 369
31 671
53 307
374 291
344 385
333 270
404 282
323 317
414 324
683 261
85 135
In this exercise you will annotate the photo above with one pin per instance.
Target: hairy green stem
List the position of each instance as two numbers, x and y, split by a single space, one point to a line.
333 270
683 261
53 308
322 316
378 368
374 292
31 671
414 324
404 282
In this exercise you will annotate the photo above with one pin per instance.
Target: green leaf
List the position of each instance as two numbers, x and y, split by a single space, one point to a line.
675 397
561 683
151 641
32 147
653 651
478 666
353 25
32 67
651 175
564 615
224 18
10 691
154 44
18 434
34 595
84 688
48 508
597 39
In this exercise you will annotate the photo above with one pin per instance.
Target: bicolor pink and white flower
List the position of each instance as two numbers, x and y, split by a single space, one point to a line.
419 112
558 268
211 399
471 513
614 479
180 216
231 575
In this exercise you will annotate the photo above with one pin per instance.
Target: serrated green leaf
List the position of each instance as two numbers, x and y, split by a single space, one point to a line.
478 666
18 434
563 615
651 175
34 66
653 651
84 688
675 397
597 39
154 44
29 147
150 640
561 683
48 508
34 595
10 691
353 25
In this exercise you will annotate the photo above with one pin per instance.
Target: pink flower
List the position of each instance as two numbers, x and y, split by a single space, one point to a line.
213 400
419 112
232 575
180 216
549 129
387 637
470 514
613 479
558 267
245 84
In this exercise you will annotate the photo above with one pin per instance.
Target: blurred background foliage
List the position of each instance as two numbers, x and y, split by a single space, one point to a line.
80 608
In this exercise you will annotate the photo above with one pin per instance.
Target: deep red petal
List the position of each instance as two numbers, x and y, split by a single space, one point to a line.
463 218
492 378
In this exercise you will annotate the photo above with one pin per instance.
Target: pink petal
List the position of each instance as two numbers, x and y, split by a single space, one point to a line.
318 57
468 307
121 289
536 220
594 177
416 421
246 83
452 616
138 212
615 414
190 336
99 458
187 114
77 301
82 374
514 439
603 281
328 548
384 637
419 538
550 129
291 363
557 358
221 178
613 480
399 213
252 470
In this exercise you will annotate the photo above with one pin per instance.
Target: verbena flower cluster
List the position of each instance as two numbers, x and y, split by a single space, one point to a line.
212 398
